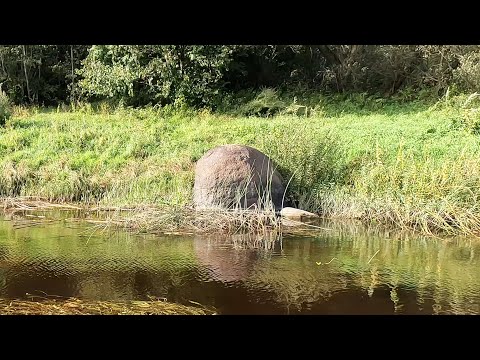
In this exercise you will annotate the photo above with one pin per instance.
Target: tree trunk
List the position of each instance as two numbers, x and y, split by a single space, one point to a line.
3 64
72 92
25 71
329 55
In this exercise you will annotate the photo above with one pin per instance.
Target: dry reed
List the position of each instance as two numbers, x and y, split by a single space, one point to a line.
75 306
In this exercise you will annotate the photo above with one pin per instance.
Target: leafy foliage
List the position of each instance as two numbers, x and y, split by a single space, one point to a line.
160 74
5 107
209 75
42 74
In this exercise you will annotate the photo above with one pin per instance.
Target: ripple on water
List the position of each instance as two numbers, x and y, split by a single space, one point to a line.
339 271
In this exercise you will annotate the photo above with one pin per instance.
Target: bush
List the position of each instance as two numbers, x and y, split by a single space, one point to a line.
266 103
5 108
159 74
467 75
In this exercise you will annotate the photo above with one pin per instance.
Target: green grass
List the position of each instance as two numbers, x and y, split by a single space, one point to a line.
412 164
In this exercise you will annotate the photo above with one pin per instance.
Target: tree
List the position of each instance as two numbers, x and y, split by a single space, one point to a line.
155 73
39 73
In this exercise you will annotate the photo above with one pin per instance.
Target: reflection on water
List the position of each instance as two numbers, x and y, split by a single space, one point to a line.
346 270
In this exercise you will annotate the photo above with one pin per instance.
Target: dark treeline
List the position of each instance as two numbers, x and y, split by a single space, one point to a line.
200 76
40 74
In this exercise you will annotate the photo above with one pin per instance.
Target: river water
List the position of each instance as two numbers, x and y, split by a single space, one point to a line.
347 269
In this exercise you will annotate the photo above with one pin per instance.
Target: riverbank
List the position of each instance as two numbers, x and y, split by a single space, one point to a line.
159 220
412 164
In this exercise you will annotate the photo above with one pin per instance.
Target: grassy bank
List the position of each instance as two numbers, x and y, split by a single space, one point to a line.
412 164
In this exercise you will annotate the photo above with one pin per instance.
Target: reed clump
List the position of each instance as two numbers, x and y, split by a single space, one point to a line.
146 219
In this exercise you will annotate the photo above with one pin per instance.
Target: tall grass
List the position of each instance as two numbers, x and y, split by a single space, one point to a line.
413 164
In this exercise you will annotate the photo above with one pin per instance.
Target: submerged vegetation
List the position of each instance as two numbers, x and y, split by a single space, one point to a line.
84 307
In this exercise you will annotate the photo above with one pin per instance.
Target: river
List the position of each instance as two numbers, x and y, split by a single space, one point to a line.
347 269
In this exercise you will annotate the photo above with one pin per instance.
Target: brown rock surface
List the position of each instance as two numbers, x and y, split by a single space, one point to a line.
231 175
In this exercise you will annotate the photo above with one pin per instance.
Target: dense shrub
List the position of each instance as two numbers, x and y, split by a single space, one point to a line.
159 74
5 108
211 75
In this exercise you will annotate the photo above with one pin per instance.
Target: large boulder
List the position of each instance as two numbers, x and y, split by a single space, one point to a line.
236 175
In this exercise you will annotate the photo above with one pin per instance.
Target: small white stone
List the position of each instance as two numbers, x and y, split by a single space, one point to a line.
293 213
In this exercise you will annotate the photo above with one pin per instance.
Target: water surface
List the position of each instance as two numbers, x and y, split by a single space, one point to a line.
346 270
